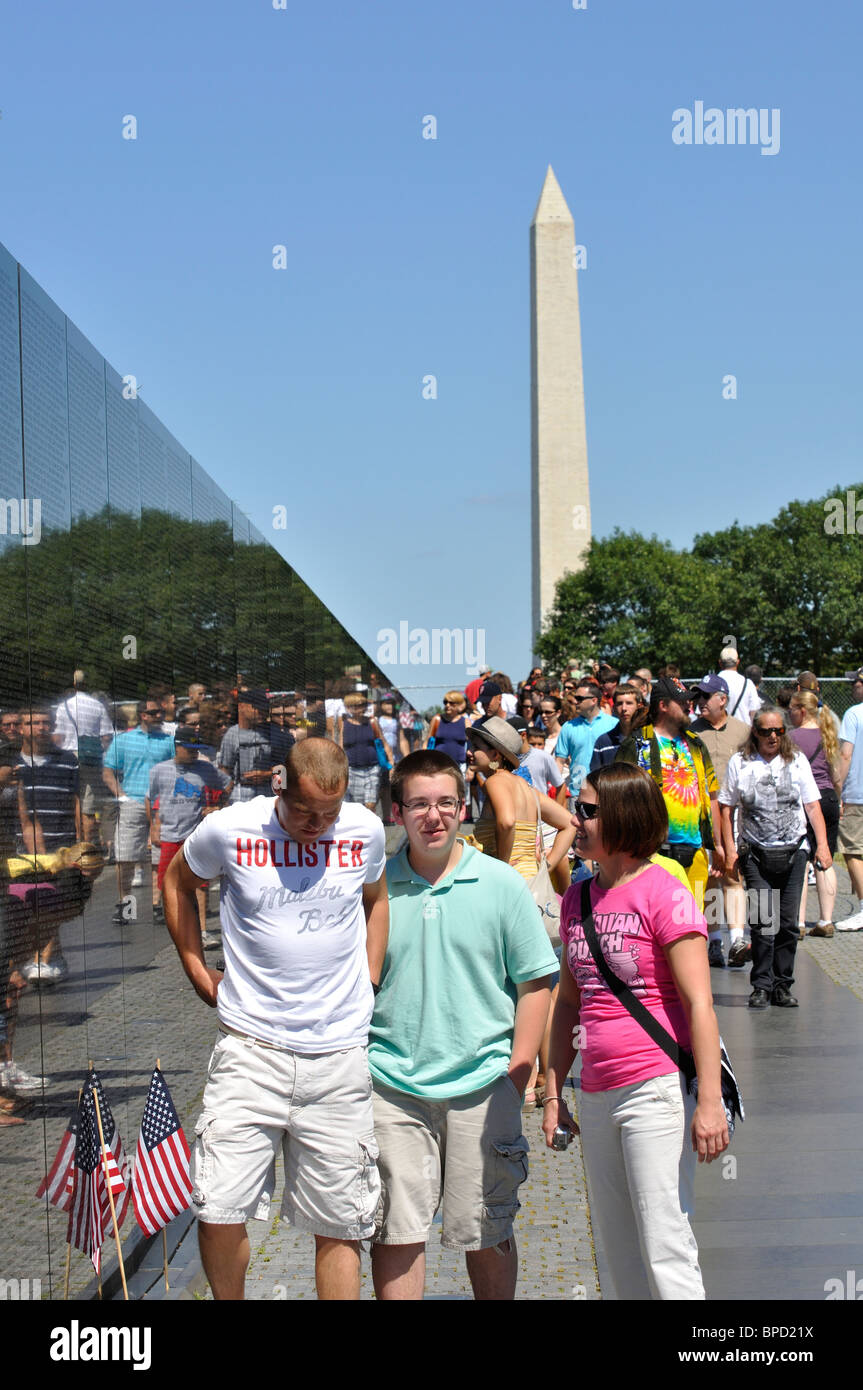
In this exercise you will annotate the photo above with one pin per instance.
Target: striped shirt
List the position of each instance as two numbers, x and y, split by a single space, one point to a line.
50 782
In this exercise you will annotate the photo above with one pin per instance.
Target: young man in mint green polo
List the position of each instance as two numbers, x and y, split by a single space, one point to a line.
459 1017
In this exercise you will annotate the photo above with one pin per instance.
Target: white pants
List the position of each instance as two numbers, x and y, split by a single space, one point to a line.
641 1178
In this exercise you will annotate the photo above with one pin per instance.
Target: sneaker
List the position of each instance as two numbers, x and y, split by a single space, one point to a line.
209 939
810 876
158 912
138 878
50 972
852 923
740 952
714 954
14 1078
30 972
825 930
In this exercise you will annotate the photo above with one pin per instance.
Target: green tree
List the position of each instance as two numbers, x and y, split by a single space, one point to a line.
637 601
198 604
791 591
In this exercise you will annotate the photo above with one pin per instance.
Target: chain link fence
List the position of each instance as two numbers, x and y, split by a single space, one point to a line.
836 691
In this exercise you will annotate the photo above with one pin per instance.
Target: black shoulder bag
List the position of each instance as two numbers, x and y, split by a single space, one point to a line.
684 1060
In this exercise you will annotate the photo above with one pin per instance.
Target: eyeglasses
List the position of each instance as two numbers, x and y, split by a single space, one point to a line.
586 810
773 731
452 702
447 806
151 711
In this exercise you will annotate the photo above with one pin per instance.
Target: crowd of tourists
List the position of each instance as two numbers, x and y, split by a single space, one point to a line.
571 852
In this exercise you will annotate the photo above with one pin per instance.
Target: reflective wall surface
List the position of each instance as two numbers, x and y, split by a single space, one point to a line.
122 559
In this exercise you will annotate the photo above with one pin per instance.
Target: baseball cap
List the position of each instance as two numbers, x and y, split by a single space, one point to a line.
729 654
711 685
666 688
187 736
855 675
516 721
488 690
253 696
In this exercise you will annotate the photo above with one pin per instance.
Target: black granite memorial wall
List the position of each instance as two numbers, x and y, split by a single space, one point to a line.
121 557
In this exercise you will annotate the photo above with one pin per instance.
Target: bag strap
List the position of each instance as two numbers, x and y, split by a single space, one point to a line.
740 696
71 716
642 1015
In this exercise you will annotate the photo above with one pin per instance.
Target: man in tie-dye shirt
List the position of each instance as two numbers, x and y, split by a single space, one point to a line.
680 765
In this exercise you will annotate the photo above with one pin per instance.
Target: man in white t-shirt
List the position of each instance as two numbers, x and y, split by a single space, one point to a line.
743 699
304 930
82 727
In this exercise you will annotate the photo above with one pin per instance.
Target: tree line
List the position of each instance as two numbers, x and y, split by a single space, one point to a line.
790 590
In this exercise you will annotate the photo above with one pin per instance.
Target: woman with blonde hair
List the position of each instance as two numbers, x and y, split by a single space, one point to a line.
356 735
813 731
449 730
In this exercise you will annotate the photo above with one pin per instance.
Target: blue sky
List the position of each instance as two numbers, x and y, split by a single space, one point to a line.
405 257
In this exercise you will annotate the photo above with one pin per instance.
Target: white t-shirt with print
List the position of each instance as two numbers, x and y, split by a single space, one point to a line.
771 796
293 926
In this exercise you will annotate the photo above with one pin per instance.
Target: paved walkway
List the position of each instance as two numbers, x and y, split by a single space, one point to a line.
777 1217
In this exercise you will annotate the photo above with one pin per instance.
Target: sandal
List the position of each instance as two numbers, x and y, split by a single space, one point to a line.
529 1102
7 1115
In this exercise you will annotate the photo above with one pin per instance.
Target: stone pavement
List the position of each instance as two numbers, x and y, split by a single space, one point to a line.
782 1219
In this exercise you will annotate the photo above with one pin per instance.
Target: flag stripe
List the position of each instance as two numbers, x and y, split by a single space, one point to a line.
161 1185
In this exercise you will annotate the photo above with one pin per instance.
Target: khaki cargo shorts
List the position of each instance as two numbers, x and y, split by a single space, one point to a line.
851 831
317 1108
468 1154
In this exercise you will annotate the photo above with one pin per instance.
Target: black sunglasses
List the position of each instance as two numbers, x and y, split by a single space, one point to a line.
586 810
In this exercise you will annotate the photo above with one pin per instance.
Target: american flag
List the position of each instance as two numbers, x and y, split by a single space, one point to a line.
161 1185
90 1210
59 1183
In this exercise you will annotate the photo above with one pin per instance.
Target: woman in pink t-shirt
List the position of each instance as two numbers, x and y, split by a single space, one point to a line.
635 1114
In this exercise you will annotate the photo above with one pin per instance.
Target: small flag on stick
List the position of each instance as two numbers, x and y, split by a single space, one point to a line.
90 1208
161 1185
59 1183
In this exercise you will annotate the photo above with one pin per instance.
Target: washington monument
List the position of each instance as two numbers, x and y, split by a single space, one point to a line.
560 495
